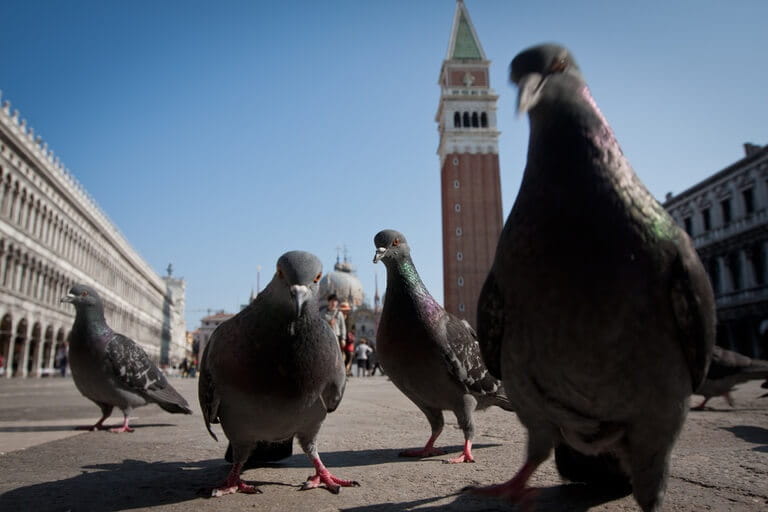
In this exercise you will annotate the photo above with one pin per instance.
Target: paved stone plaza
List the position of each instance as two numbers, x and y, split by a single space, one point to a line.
719 464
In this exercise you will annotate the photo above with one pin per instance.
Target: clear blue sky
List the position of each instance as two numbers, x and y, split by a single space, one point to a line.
218 136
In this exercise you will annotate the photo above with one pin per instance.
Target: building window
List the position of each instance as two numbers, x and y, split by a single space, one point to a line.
457 207
483 120
455 161
725 207
688 224
757 255
459 256
734 264
466 119
456 120
714 275
462 307
749 201
455 183
458 231
707 219
460 281
475 120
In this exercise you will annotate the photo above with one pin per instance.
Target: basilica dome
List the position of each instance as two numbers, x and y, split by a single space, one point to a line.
344 283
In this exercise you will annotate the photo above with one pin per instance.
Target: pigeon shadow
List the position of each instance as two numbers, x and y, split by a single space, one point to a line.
559 498
751 434
73 428
114 487
351 458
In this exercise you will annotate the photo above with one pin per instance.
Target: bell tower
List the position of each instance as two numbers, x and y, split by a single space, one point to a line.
469 168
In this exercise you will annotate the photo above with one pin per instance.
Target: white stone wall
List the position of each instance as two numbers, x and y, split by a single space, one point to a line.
52 235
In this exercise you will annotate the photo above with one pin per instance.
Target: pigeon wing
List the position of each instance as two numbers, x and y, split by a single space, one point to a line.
206 389
490 324
334 390
694 310
137 373
462 353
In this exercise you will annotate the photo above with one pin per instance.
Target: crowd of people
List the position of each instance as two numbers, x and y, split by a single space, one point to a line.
361 352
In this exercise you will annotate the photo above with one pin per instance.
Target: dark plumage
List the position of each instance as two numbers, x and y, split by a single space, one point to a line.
597 312
274 371
111 369
729 368
430 355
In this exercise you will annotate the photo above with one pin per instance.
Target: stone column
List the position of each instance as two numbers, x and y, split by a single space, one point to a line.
25 357
11 354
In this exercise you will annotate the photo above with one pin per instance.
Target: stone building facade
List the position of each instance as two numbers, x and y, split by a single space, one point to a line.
52 235
208 324
727 216
469 168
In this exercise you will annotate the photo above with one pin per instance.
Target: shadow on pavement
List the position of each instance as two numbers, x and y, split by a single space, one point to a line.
751 434
559 498
73 428
120 486
350 458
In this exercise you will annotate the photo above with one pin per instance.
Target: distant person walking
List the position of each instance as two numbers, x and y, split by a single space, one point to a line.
61 360
335 318
349 350
373 360
361 357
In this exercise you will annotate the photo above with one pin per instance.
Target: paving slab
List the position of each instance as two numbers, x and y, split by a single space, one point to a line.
169 463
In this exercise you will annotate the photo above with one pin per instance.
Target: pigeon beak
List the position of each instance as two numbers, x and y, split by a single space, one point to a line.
68 298
380 252
529 91
300 294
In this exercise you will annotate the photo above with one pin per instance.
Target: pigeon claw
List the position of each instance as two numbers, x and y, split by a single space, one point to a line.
239 486
332 483
122 429
464 457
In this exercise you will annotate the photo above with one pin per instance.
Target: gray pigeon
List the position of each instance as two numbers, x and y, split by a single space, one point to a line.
597 313
274 371
110 368
430 355
729 368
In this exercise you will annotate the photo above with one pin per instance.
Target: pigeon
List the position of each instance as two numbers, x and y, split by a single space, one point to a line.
429 354
111 369
597 313
729 368
273 371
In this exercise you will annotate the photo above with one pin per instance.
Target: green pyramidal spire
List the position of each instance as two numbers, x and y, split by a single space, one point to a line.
465 46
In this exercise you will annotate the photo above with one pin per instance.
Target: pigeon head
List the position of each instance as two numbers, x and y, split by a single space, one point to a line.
390 246
298 274
83 297
543 73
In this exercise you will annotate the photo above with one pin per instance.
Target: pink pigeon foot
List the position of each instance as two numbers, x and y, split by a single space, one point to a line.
120 430
429 449
234 484
124 428
323 476
701 406
466 456
514 491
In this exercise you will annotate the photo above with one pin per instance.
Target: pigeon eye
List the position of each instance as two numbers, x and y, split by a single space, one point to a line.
279 272
84 294
558 65
396 242
318 276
